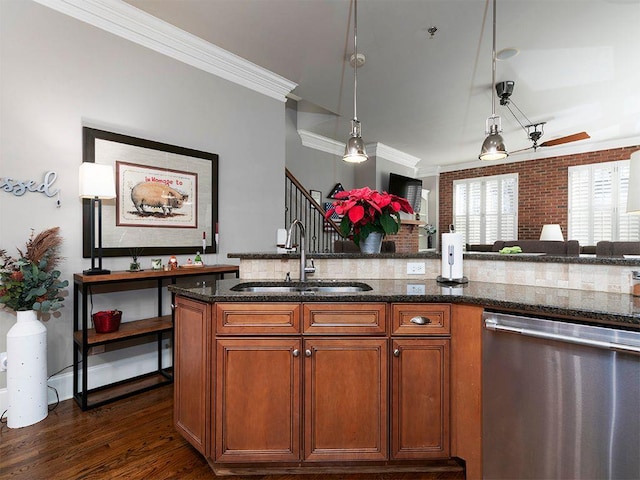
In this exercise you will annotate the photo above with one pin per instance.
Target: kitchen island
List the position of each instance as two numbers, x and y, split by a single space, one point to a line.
383 379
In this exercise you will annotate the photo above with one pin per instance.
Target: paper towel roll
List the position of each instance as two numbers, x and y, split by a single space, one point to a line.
452 256
281 238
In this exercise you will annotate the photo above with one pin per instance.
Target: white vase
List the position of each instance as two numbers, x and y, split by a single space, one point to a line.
27 371
371 244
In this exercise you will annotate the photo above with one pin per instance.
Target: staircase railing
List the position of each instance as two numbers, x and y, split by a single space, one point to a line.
320 233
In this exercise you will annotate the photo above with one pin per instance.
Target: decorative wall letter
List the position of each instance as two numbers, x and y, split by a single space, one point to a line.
19 188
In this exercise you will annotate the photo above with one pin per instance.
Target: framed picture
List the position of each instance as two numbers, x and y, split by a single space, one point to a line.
166 197
152 197
317 196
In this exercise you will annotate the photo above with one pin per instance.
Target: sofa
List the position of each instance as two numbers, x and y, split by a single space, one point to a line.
606 248
478 247
551 247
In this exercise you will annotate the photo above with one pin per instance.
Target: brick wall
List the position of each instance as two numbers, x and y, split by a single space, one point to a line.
542 188
406 239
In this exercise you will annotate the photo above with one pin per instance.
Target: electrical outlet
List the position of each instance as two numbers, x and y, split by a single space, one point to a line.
3 361
415 289
415 268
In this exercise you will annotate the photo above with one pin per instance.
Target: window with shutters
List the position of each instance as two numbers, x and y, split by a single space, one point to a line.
485 209
598 204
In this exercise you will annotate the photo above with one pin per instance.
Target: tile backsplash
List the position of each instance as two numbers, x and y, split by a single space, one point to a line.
577 276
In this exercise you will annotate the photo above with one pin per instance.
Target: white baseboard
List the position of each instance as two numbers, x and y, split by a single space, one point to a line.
113 370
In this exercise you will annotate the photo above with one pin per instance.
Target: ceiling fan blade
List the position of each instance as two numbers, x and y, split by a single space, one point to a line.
569 138
521 150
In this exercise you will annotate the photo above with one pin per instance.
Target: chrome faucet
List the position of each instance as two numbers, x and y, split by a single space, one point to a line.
303 254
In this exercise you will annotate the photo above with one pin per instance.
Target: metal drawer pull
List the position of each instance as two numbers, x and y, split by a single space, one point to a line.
296 352
396 352
420 320
307 352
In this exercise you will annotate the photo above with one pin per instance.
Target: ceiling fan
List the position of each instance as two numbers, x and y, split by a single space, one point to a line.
534 130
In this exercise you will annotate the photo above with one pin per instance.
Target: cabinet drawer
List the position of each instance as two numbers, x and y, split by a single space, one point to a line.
257 318
344 318
421 319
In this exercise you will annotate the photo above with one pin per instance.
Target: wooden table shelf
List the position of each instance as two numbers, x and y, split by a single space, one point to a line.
161 327
136 328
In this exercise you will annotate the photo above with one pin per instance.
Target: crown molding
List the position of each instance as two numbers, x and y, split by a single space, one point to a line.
126 21
318 142
377 149
380 150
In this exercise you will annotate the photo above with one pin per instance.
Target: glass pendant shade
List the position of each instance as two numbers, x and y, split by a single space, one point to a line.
355 151
493 146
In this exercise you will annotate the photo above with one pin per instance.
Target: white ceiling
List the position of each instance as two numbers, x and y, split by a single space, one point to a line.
578 67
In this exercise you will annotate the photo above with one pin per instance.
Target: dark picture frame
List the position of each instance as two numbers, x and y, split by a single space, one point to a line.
159 237
317 196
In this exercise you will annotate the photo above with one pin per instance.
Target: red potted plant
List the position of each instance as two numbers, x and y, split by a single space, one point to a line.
365 211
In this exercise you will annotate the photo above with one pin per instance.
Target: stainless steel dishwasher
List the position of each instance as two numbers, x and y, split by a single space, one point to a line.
560 400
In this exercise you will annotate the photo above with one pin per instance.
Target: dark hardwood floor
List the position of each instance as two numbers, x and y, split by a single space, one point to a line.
128 439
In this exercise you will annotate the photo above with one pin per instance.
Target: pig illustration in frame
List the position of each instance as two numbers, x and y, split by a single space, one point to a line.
153 197
156 195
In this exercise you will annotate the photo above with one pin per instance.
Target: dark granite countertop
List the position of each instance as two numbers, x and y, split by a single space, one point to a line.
599 308
492 256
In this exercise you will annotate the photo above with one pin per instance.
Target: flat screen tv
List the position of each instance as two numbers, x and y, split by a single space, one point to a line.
406 187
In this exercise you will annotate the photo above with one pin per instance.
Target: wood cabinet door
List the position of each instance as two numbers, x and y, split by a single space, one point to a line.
420 398
257 400
191 413
345 399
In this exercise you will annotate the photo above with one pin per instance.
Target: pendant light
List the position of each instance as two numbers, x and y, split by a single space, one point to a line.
355 151
493 146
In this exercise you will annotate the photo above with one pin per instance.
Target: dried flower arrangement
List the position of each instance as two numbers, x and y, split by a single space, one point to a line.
31 281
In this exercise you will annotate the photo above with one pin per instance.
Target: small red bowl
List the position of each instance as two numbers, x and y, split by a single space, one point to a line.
108 321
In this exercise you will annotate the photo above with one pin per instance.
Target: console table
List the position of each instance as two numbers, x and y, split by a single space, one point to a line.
160 326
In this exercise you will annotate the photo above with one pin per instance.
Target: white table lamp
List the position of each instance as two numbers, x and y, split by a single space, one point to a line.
96 182
552 232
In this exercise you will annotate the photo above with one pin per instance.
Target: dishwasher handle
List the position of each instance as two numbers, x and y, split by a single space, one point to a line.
493 325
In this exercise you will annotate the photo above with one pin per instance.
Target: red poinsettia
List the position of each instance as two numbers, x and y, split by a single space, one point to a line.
365 211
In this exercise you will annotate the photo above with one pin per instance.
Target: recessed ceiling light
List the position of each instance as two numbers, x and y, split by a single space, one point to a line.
506 53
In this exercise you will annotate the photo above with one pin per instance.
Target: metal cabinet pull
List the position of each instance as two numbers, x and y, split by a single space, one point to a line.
296 352
307 352
396 352
420 320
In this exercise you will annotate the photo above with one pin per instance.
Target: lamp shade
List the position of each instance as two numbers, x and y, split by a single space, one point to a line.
633 192
552 232
493 146
96 181
355 151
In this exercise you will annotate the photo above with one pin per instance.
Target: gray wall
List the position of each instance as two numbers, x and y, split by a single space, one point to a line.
58 74
316 170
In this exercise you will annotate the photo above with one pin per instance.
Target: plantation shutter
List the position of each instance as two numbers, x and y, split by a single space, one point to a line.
602 178
579 202
509 209
628 223
598 203
486 208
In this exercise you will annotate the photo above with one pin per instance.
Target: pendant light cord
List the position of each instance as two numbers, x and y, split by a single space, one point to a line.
355 60
493 64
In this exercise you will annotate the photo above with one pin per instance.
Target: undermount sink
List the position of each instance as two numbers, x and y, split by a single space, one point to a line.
301 287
